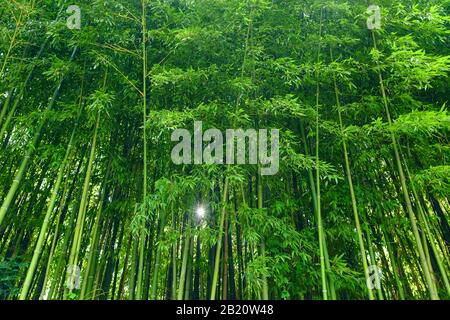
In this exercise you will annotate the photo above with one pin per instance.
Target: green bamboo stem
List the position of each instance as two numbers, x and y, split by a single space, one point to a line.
73 258
12 43
182 281
134 261
348 172
265 288
5 107
154 286
18 98
323 269
174 262
429 235
395 269
219 242
372 260
142 235
30 151
88 278
412 218
40 242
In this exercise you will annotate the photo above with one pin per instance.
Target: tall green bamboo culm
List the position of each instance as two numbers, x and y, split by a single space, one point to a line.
219 242
45 224
323 268
142 235
411 215
350 184
73 258
30 151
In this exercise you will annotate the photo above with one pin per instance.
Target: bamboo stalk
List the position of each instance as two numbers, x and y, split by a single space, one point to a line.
350 184
30 151
411 215
219 242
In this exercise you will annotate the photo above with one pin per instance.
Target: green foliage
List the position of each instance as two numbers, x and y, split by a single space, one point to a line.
376 102
10 269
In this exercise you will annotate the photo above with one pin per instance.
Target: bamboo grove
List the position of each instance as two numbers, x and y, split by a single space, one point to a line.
93 207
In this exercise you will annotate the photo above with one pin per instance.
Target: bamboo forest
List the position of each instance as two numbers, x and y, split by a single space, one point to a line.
224 150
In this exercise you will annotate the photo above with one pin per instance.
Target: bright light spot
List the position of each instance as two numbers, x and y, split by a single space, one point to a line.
200 212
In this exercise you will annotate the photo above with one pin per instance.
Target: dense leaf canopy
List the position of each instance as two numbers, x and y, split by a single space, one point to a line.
93 207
